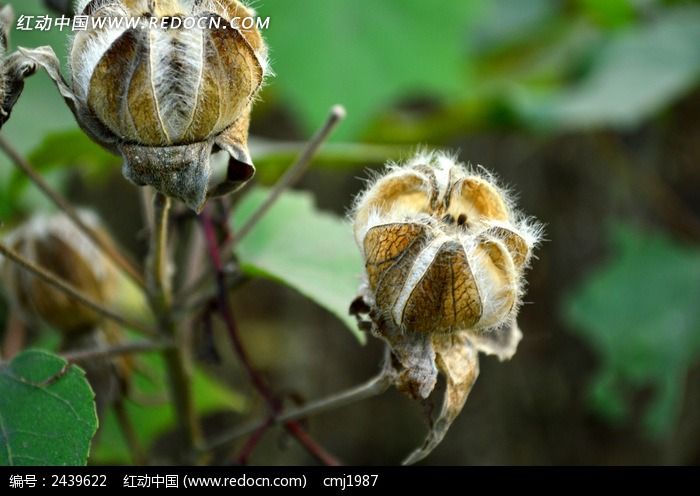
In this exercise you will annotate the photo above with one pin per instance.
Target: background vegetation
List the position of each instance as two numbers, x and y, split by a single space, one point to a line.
589 109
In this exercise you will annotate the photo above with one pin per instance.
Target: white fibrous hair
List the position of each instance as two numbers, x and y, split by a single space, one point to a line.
458 204
177 57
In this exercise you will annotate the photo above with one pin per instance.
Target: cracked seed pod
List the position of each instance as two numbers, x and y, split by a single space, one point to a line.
14 68
444 254
53 242
166 97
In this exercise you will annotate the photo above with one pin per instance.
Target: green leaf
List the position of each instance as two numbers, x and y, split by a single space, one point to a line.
365 54
152 420
640 312
637 73
304 248
73 148
47 411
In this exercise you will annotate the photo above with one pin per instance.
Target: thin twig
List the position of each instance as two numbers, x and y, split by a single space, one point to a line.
130 435
255 378
290 177
62 204
252 442
294 173
374 387
70 290
160 294
121 349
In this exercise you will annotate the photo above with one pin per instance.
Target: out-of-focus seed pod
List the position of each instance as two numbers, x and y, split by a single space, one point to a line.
53 242
14 68
164 82
444 253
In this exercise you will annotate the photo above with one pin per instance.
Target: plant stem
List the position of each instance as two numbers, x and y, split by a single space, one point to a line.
374 387
255 378
62 204
176 360
122 349
291 176
294 173
70 290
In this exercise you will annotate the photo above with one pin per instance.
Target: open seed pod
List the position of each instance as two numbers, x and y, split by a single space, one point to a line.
444 253
165 94
53 242
14 68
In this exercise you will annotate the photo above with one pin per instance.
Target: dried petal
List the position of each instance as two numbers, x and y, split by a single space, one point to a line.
14 68
458 360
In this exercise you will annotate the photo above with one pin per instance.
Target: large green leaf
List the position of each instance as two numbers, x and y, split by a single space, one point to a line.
47 411
638 72
156 418
640 312
304 248
365 54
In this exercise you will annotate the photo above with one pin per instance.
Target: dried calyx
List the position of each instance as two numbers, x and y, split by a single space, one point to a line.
166 94
14 68
444 253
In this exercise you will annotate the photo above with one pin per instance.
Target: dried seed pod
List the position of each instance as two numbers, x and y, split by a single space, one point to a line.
164 94
443 249
14 68
53 242
444 255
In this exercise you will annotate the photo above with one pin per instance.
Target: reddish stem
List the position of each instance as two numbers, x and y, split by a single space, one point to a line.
293 427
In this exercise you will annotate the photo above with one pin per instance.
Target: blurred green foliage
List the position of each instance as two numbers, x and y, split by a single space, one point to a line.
309 250
156 417
47 411
639 311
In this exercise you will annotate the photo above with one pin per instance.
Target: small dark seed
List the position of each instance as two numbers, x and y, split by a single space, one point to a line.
462 219
448 219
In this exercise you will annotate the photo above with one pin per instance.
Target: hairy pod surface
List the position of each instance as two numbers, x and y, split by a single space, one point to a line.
54 243
444 251
164 93
443 248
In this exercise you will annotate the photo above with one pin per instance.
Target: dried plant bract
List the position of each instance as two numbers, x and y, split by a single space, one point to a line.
444 253
14 68
165 95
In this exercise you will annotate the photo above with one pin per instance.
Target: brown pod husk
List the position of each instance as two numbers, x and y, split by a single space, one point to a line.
53 242
445 253
166 97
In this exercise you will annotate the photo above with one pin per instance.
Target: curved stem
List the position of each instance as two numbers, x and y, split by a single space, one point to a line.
121 349
374 387
62 204
294 173
70 290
